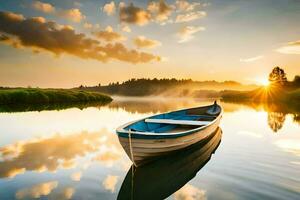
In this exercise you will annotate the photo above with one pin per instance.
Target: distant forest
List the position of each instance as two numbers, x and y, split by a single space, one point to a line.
168 87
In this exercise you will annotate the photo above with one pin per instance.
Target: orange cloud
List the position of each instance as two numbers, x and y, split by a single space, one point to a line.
76 176
110 182
184 5
190 16
134 15
143 42
43 7
186 33
31 155
126 29
189 192
68 193
251 59
160 10
108 157
37 191
50 36
73 14
109 35
110 8
87 25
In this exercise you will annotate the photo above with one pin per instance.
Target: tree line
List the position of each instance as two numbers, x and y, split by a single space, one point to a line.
146 86
278 77
184 87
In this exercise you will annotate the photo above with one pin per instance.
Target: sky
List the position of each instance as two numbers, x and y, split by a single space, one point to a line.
63 44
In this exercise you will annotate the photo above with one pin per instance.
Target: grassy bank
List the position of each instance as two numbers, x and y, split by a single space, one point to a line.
294 97
49 96
264 95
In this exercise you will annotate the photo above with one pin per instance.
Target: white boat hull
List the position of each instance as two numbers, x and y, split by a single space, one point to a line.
141 151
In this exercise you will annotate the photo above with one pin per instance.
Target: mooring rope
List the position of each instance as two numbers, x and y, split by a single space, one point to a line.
132 166
130 147
132 180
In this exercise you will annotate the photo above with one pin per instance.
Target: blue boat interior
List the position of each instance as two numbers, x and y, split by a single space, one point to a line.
142 126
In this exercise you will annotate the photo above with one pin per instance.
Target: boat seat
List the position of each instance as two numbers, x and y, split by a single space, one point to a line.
178 122
164 128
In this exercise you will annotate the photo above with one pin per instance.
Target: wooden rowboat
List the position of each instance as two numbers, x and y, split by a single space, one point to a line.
162 177
146 139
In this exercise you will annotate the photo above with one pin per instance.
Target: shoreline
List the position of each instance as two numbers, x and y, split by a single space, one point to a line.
35 96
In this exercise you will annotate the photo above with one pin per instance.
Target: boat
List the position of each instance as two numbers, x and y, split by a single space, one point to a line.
163 177
152 137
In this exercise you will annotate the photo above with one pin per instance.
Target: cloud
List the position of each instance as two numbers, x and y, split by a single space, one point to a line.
249 133
251 59
109 8
159 10
185 6
289 145
186 33
12 16
189 192
76 176
122 4
68 193
87 25
5 39
109 35
295 162
43 7
290 48
143 42
153 6
110 182
108 157
37 191
133 15
68 164
187 17
13 172
42 35
73 14
126 29
32 156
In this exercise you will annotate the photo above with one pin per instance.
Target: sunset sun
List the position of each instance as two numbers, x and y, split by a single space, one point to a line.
265 82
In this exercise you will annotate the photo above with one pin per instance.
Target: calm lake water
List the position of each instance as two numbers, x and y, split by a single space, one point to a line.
75 154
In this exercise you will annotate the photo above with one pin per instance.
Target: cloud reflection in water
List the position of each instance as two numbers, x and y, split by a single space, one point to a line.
37 191
56 152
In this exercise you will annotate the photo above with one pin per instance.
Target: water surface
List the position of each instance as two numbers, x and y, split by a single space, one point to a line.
75 154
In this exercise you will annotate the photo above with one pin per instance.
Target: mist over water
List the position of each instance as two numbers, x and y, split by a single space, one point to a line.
75 153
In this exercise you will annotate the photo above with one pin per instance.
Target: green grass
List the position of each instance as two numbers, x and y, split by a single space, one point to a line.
49 96
235 96
294 96
283 96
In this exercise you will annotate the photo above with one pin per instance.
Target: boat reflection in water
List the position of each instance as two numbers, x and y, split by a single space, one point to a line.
163 177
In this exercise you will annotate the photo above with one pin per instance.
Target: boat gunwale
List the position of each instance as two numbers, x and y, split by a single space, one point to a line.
121 132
